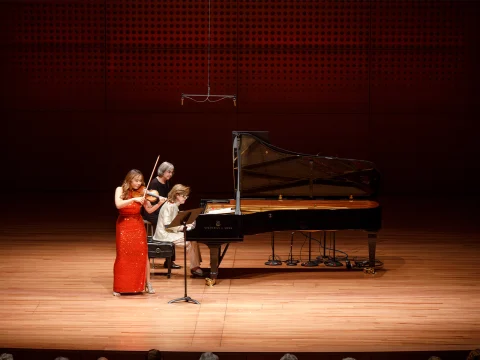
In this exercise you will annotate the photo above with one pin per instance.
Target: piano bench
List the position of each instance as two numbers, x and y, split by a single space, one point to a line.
161 250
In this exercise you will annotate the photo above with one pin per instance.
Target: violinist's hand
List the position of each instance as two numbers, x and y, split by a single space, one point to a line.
139 199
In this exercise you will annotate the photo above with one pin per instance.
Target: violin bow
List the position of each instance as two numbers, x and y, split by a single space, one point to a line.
154 167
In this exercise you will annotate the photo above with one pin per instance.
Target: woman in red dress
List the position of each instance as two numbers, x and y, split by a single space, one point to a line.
131 270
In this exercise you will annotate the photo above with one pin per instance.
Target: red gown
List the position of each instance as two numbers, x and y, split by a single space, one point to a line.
129 269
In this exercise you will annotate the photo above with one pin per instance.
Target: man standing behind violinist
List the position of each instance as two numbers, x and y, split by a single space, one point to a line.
161 185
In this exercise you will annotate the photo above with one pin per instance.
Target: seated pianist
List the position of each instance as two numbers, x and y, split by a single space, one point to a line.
176 197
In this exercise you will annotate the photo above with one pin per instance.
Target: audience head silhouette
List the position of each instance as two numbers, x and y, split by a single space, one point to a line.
208 356
474 355
288 356
154 354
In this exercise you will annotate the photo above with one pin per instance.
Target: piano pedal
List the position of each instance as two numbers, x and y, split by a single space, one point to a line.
361 264
210 282
369 270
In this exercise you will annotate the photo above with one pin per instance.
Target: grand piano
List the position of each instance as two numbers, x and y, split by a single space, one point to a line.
281 190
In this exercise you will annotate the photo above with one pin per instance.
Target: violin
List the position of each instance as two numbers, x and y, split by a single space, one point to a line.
153 195
139 192
150 195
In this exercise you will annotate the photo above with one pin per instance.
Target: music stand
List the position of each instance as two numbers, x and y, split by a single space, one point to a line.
185 218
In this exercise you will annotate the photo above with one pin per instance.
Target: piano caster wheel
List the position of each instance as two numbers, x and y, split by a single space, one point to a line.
209 282
369 270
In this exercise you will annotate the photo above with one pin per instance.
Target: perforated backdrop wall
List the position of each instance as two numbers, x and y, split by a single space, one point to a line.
99 82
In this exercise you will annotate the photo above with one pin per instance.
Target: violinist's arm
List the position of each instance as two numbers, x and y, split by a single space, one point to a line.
120 203
151 208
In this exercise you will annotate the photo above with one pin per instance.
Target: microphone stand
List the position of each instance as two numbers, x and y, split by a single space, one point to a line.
185 298
273 261
310 262
291 261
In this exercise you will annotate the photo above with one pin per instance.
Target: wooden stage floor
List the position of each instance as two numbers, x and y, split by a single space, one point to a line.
56 263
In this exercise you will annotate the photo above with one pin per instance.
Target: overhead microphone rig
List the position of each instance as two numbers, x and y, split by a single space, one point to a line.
208 97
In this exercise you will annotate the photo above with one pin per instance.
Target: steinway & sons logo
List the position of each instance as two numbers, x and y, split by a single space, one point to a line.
218 226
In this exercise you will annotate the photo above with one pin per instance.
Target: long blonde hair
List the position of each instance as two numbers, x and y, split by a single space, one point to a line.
132 174
178 189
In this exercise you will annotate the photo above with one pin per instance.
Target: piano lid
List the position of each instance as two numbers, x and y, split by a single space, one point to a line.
268 171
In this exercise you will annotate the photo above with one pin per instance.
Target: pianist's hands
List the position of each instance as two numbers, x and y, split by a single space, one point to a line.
191 226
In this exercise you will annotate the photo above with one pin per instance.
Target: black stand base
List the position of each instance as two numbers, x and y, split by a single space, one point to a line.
321 259
273 262
186 299
333 263
310 263
291 262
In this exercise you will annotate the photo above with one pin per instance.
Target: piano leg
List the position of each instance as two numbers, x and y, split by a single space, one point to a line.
372 245
214 259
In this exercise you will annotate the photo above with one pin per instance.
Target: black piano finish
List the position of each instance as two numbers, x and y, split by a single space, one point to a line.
264 171
218 229
222 228
214 231
320 219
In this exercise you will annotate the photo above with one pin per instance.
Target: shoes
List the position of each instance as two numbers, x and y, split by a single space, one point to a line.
174 266
149 288
197 271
